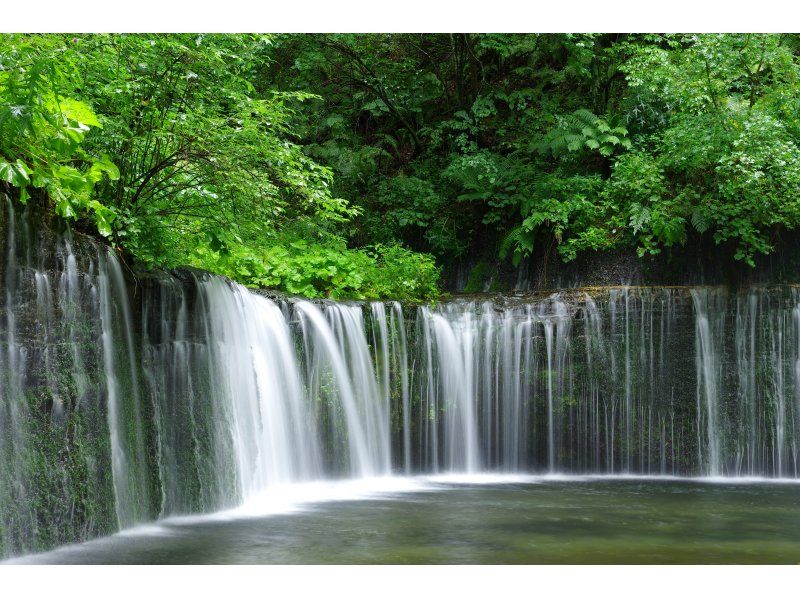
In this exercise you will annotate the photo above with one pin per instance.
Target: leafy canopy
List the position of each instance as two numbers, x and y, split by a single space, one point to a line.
176 150
343 165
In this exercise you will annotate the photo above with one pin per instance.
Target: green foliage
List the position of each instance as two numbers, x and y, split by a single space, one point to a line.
638 188
586 142
411 206
330 270
583 130
489 178
308 162
206 168
758 187
726 146
42 131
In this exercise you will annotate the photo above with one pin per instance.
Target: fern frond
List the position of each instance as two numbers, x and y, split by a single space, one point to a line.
700 221
584 116
510 241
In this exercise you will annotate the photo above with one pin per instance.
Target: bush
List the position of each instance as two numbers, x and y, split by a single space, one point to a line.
317 270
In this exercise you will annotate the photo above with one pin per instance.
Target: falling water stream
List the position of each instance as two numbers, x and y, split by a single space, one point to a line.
126 400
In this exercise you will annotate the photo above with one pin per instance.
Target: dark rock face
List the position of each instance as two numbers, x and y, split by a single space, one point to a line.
699 262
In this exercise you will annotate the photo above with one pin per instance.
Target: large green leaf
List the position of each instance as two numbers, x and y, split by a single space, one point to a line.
78 112
17 173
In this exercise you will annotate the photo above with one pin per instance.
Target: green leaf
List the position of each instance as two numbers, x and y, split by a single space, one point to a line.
700 221
79 112
104 166
64 207
15 173
516 258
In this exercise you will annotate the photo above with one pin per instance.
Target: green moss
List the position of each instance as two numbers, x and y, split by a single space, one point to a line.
478 277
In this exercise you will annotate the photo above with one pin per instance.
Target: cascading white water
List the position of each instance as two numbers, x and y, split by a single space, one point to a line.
128 452
257 378
13 408
796 371
707 381
339 353
189 393
54 437
399 350
450 344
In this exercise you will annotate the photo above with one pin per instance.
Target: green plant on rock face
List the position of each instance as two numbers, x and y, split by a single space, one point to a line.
329 269
479 275
582 130
569 208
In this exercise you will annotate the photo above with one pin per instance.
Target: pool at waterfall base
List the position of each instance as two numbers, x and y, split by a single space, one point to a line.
476 519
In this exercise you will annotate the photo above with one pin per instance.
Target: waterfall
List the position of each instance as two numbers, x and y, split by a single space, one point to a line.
340 372
125 422
125 398
257 379
400 353
55 454
450 352
708 375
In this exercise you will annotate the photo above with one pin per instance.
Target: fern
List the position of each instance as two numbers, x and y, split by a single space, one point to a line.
582 130
700 220
509 241
518 242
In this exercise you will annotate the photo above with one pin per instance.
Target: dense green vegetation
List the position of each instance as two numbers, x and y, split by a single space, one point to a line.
175 153
342 165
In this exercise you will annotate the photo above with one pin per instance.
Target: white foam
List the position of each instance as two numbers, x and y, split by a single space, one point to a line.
503 478
289 498
147 529
481 478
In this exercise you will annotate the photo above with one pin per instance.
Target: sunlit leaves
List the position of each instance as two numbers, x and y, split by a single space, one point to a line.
325 269
15 173
75 111
42 130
